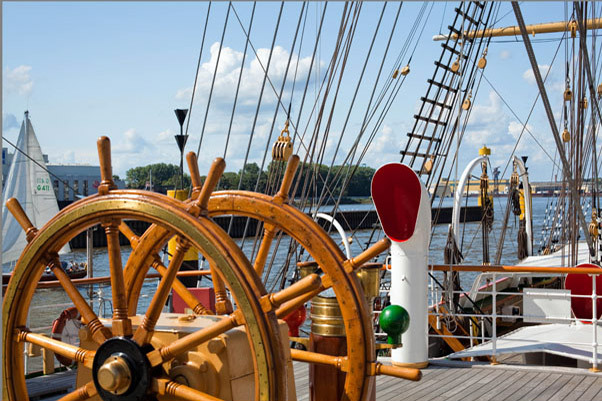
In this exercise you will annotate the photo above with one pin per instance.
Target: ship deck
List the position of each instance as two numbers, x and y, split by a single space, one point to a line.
442 380
466 381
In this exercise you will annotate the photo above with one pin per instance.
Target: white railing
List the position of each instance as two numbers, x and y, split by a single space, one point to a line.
497 297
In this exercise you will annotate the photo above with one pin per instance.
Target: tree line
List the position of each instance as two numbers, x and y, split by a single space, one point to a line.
167 176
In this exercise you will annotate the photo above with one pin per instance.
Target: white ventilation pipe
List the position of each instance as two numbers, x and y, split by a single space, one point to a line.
404 210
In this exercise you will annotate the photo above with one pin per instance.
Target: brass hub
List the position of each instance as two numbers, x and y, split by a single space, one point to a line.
114 375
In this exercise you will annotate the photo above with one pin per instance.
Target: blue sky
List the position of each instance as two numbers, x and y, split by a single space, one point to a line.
119 69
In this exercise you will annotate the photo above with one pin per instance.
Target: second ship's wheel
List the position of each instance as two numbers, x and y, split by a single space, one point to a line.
125 366
339 273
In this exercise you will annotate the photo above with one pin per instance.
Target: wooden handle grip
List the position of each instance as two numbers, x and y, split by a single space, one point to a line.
376 249
398 371
287 180
193 167
306 284
104 157
215 172
17 211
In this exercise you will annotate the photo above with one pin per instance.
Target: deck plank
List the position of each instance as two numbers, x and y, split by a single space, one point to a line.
485 388
564 392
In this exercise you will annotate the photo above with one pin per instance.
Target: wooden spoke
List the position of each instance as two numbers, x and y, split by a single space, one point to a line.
19 214
58 347
82 393
169 390
269 232
129 234
306 285
168 352
376 249
99 332
339 362
190 300
291 168
122 325
106 171
147 326
195 176
223 306
215 173
342 363
377 368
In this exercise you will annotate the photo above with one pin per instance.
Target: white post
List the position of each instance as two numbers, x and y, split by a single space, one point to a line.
595 323
404 209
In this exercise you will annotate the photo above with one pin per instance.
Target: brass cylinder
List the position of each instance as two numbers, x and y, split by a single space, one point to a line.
326 318
307 268
369 276
114 375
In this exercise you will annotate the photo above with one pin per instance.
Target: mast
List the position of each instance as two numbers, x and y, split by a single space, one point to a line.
544 97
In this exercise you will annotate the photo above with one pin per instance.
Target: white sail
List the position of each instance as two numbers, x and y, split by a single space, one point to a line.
30 184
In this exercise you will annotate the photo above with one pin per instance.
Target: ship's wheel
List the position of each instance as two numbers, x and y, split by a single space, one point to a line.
125 365
339 272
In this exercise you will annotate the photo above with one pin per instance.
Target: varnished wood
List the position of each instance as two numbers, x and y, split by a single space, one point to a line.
14 207
128 233
193 168
170 390
269 232
122 325
306 285
289 174
188 298
167 353
295 303
222 303
82 393
223 306
364 257
328 366
99 332
215 173
177 285
106 170
396 371
358 385
67 350
144 332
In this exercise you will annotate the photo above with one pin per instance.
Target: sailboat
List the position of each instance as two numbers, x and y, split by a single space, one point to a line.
27 181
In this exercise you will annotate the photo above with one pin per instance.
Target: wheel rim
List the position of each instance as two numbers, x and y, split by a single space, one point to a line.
261 328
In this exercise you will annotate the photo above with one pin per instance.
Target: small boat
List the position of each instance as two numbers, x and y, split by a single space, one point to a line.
73 269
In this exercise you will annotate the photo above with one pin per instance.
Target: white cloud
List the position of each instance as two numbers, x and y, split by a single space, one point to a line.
228 71
505 54
487 119
386 145
18 80
529 76
9 121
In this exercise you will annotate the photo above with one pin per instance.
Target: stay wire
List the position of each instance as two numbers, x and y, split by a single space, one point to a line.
198 66
221 43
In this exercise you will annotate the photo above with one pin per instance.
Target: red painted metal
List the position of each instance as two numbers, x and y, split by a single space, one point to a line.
581 284
205 295
396 195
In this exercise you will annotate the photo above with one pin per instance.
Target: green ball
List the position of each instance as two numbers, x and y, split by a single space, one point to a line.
394 320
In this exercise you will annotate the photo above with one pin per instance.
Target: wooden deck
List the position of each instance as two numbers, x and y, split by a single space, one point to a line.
475 381
440 381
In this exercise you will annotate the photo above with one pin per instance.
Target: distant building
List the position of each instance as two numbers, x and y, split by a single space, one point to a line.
73 181
70 181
